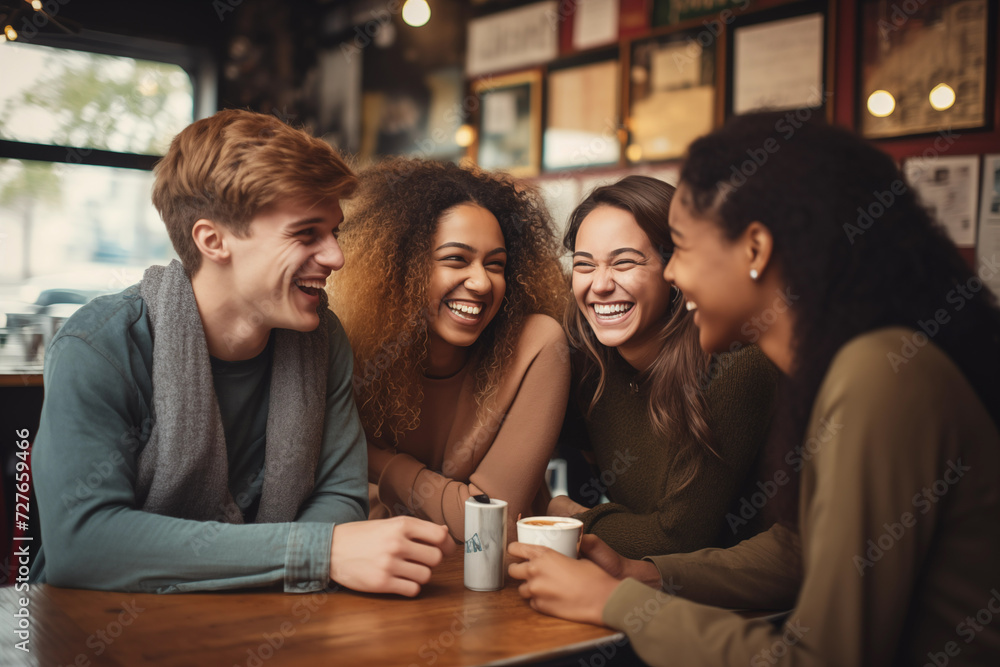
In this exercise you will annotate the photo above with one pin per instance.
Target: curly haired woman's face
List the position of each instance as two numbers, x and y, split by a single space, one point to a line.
618 282
467 283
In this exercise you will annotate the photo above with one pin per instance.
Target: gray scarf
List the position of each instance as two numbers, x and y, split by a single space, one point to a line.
183 470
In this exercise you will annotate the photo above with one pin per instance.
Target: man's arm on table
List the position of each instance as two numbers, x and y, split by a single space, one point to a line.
93 535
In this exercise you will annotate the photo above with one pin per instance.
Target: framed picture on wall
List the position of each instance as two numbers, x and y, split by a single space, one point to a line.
779 59
948 187
671 95
988 241
923 68
510 122
581 118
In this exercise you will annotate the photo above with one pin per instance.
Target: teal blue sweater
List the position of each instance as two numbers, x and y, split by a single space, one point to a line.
95 421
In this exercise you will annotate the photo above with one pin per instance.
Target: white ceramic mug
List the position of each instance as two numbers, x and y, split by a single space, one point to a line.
559 533
485 543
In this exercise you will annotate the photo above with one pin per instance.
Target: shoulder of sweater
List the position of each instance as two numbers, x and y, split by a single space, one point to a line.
541 331
890 368
895 402
107 321
541 336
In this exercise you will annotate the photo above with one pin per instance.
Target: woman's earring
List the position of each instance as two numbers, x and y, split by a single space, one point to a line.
754 275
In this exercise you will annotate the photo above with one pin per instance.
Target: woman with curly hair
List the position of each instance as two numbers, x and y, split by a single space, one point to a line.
887 432
673 431
461 372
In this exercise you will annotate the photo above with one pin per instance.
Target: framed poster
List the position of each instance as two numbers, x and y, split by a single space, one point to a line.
778 59
413 113
581 119
595 23
948 186
510 122
671 95
514 38
923 67
988 242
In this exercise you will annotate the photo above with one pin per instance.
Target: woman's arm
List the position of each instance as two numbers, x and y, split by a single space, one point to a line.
513 468
870 461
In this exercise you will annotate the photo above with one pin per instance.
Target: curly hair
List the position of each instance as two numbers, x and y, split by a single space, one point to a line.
381 293
672 409
856 267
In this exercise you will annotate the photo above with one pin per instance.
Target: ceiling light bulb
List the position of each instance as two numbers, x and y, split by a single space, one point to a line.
881 103
465 135
36 5
942 97
416 12
10 33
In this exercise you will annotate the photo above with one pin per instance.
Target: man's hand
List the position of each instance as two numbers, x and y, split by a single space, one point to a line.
564 506
388 555
576 590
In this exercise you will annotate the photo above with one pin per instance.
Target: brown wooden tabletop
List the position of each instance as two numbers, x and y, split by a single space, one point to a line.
445 625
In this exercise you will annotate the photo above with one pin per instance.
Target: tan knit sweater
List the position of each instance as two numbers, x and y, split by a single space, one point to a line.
430 472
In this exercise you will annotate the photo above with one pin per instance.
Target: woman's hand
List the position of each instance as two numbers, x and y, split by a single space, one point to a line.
594 549
564 506
576 590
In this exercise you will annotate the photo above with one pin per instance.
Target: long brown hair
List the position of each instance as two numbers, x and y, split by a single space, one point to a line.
381 293
676 405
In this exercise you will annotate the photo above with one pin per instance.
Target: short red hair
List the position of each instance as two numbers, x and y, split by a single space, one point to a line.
227 167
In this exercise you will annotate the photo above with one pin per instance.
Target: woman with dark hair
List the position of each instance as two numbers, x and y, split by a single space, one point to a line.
671 430
461 372
888 424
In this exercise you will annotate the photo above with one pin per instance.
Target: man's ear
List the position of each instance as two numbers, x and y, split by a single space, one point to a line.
211 241
759 245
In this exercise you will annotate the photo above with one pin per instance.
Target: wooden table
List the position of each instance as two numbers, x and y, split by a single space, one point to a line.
445 625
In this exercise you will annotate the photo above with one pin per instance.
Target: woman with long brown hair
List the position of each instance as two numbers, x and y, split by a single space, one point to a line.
673 431
461 370
888 423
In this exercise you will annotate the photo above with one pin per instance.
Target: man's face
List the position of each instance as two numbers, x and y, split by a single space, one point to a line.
279 270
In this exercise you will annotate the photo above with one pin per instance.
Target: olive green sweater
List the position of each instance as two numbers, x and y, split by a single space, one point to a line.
899 517
642 472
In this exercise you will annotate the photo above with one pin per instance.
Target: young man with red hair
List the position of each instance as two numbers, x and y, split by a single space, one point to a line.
199 430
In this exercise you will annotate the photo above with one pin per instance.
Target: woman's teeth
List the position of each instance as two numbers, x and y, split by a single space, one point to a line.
612 310
464 310
691 305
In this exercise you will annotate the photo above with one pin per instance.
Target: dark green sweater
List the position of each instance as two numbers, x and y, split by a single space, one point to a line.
641 471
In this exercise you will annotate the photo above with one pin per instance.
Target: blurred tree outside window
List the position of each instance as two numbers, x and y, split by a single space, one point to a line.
79 132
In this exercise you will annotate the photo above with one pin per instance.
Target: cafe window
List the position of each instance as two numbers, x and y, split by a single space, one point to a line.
80 129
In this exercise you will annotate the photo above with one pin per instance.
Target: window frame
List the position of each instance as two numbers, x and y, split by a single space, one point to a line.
196 61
